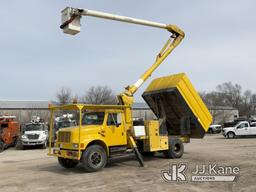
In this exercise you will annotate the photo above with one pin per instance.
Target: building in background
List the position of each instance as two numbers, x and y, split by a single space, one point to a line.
220 114
24 110
142 110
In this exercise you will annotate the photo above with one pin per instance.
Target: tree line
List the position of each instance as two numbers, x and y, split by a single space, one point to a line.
94 95
232 95
225 94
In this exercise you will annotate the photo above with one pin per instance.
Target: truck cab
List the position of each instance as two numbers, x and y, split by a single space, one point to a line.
242 128
9 131
34 134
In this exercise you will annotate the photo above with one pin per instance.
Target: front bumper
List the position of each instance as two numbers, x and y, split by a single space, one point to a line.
33 142
65 153
224 134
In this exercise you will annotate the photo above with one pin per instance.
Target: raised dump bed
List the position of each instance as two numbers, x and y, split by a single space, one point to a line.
181 111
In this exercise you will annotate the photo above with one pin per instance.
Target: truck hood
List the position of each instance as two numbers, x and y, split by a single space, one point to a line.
76 128
228 128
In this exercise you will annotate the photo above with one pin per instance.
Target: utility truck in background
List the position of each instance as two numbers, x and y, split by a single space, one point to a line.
9 131
34 133
64 121
107 131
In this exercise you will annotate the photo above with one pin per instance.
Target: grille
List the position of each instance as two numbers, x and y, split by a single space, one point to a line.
33 136
64 137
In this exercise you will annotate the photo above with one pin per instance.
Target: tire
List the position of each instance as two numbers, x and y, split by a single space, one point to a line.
2 146
94 158
15 141
44 146
19 145
176 148
231 135
210 131
67 163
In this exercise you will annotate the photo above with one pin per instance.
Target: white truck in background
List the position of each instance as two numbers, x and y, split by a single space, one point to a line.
34 133
242 128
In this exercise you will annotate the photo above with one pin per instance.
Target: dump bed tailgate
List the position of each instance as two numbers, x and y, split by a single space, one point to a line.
175 101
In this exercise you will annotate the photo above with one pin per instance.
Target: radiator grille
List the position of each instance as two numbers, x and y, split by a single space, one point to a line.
64 136
32 136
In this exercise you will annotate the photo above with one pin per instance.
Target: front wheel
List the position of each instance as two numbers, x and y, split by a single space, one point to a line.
44 146
231 135
67 163
176 148
94 158
2 146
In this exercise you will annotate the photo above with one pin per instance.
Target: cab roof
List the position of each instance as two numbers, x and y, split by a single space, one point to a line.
87 107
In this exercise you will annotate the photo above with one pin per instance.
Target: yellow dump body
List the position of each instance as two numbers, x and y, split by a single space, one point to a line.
174 100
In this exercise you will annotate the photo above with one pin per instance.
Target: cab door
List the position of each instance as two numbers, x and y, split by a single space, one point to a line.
253 129
115 130
243 129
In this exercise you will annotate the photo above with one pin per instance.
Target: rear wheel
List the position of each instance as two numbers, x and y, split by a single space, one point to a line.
176 148
94 158
67 163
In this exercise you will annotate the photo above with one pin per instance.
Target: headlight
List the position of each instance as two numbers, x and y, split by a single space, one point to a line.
75 145
24 137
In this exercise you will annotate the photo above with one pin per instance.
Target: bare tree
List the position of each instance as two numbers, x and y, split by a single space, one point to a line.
231 94
64 96
99 95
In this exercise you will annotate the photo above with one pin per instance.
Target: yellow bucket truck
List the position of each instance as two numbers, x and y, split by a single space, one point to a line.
107 131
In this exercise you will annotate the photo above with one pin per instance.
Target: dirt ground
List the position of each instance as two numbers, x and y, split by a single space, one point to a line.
33 170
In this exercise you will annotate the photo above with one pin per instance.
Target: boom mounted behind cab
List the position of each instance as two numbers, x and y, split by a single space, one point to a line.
106 131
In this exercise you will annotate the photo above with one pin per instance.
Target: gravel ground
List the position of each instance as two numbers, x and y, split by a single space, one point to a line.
33 170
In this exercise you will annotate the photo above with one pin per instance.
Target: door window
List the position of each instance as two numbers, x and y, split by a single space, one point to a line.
242 125
114 119
93 118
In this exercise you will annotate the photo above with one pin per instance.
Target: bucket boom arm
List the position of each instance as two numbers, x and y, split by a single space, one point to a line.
71 25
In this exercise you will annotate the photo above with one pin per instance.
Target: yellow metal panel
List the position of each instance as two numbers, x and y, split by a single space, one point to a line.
153 141
163 143
188 92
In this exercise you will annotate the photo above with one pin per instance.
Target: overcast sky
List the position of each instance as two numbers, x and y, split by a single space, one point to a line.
37 59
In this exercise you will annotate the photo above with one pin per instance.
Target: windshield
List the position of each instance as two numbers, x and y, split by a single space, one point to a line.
35 127
93 118
65 124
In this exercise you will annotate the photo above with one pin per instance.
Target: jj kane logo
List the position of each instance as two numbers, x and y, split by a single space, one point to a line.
200 173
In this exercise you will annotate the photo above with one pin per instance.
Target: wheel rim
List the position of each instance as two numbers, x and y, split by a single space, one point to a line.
176 148
230 135
96 158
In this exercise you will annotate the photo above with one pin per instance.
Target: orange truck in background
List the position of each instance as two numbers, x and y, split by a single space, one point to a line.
9 131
